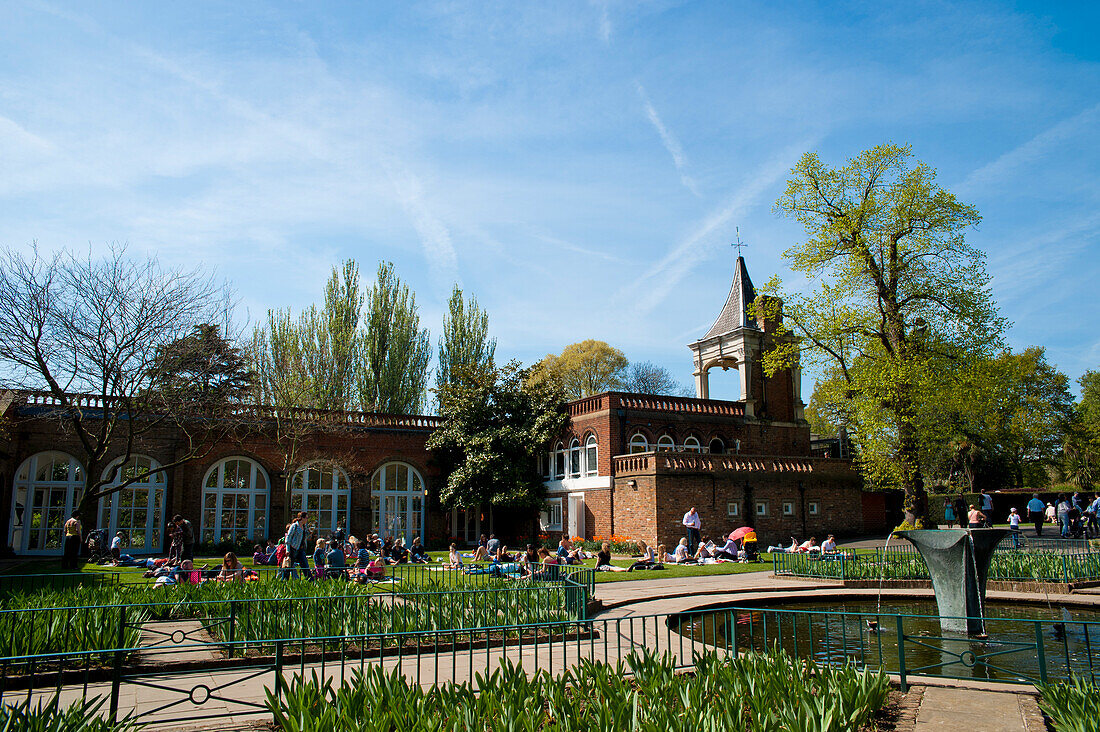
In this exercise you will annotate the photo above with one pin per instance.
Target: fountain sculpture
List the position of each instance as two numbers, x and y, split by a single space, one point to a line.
958 561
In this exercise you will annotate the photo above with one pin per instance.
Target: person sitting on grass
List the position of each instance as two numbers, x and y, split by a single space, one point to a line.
706 549
259 556
481 554
320 553
528 560
454 559
829 545
335 563
663 557
417 553
681 555
603 560
231 571
548 566
730 551
398 553
502 555
567 554
647 558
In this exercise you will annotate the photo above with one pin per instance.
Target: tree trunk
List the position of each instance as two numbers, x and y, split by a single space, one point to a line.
916 500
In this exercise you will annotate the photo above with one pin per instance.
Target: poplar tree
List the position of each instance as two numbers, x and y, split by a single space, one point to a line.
393 367
332 340
465 341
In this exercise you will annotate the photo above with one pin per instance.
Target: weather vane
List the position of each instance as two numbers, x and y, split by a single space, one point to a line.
739 244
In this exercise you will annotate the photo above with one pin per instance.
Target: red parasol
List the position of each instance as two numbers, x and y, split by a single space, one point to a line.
738 533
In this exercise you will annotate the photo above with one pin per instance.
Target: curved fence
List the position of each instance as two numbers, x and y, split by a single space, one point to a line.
1005 566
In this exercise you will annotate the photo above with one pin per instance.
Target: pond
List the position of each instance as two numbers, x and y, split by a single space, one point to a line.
1024 641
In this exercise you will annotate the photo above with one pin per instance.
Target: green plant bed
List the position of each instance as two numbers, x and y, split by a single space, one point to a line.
1072 706
87 715
89 619
755 691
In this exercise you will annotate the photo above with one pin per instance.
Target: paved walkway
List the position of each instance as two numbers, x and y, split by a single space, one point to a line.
970 710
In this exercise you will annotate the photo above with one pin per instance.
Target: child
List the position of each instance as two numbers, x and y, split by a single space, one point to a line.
116 547
1014 526
319 553
259 556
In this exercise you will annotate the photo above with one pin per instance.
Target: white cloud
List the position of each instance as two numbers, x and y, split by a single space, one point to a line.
435 238
668 139
651 289
1071 129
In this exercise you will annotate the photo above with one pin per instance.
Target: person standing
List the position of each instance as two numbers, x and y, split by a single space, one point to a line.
1014 527
1063 516
1036 513
693 524
1094 516
73 531
187 536
296 538
960 511
987 509
975 518
949 514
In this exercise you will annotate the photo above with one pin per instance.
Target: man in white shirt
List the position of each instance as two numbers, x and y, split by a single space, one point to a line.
987 508
693 524
829 545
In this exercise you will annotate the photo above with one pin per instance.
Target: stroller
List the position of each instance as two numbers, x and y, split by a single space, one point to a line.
97 546
748 543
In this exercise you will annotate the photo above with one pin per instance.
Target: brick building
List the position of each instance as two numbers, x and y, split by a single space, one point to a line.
627 465
632 464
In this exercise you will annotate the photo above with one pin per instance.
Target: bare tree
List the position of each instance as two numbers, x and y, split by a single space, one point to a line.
646 377
123 349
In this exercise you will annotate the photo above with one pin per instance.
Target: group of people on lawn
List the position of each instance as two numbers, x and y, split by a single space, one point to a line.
340 556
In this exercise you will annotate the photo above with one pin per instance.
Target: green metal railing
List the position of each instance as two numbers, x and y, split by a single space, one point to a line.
1018 651
1008 565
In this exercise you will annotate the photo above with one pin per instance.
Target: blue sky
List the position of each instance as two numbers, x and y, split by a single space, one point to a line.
580 167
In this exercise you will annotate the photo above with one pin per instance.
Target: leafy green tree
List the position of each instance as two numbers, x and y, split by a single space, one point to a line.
585 368
900 291
393 368
465 342
1081 452
200 372
496 420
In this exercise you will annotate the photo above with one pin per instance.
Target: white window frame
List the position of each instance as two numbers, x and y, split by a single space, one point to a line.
214 497
591 455
666 443
575 458
813 509
414 492
638 440
559 462
71 488
153 489
788 508
761 508
547 517
691 444
733 509
334 485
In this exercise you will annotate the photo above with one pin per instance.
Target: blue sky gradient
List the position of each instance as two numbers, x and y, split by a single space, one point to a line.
580 167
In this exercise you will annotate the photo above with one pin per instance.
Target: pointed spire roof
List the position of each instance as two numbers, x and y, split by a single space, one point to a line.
735 313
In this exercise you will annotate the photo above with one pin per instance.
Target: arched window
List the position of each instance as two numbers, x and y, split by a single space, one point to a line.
591 462
47 489
691 444
666 443
138 509
234 501
397 501
717 447
638 443
559 462
323 491
575 458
